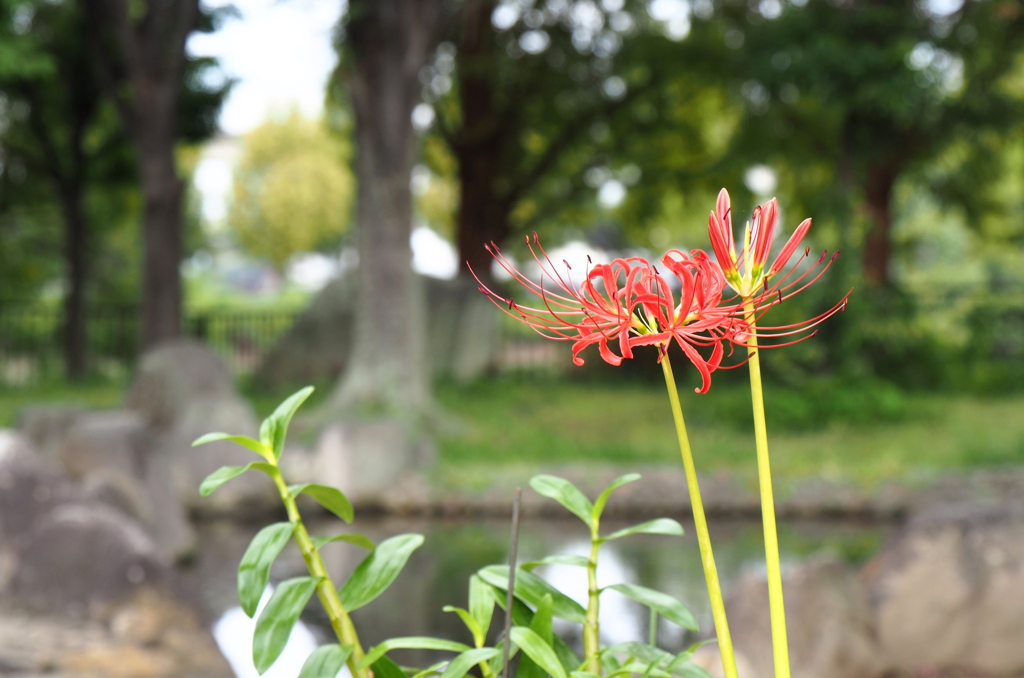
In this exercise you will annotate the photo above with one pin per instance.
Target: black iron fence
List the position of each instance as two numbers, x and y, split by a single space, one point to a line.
32 341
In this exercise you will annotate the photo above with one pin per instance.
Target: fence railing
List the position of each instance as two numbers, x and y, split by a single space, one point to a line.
32 341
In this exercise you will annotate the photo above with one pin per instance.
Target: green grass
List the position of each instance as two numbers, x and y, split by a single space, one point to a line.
552 422
543 421
91 394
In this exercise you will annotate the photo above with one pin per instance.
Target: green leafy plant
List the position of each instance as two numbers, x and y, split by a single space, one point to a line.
376 572
535 602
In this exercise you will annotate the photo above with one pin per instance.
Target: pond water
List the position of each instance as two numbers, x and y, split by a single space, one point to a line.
438 575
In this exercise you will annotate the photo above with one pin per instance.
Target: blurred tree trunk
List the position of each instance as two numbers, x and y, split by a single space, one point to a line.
878 186
141 52
58 151
390 41
483 213
76 338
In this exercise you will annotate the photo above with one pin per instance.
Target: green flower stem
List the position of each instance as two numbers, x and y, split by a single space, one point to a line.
776 606
701 524
591 627
340 620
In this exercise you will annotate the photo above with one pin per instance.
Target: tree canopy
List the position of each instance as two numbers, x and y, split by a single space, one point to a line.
293 189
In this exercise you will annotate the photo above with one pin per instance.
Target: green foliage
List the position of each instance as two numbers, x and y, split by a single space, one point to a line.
532 590
369 580
226 473
293 191
378 570
278 618
414 642
325 661
254 569
665 605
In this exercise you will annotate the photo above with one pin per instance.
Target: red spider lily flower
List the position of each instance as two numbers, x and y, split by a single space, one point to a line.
700 319
759 287
630 302
746 271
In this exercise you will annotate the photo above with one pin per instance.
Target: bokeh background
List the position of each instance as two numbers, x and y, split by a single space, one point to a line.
300 190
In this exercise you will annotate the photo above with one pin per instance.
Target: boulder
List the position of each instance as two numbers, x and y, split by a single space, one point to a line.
183 391
47 425
111 454
150 635
463 335
830 625
102 440
948 590
80 557
30 487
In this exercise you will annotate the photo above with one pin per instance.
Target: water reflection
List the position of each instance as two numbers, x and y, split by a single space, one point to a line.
438 575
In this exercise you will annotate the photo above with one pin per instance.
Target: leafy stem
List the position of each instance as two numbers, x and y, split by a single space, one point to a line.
342 624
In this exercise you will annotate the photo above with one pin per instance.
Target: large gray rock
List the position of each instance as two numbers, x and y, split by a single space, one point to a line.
80 556
183 391
46 426
110 454
948 591
830 625
30 487
151 635
462 335
101 440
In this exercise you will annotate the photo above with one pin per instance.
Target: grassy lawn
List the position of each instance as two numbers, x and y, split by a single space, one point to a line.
542 421
91 394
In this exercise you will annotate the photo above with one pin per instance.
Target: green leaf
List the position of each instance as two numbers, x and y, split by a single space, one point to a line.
434 670
658 526
577 561
277 619
531 589
282 416
326 661
385 668
638 668
602 499
690 670
481 603
378 570
226 473
254 570
523 616
665 605
642 651
534 647
360 540
584 674
244 441
469 621
467 660
267 433
410 643
541 624
331 498
566 494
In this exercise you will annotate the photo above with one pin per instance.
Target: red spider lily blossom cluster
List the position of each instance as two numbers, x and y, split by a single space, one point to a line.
631 302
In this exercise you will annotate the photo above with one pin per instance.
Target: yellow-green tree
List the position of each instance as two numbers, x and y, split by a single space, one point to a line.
293 189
